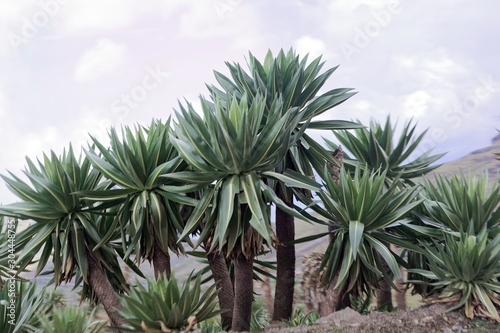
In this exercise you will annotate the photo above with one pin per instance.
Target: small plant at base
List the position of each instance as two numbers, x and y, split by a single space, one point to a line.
361 304
209 326
72 319
468 269
259 319
163 306
299 317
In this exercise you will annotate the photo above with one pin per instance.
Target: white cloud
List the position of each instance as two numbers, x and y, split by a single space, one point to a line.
314 46
416 104
103 58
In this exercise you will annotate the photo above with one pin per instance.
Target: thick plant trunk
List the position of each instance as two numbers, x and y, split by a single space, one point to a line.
225 286
161 262
243 293
401 294
384 295
333 298
104 291
285 264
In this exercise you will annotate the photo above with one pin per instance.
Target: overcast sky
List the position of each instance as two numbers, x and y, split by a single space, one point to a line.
73 67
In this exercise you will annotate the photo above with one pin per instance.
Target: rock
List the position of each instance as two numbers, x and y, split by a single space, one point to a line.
426 320
344 315
447 330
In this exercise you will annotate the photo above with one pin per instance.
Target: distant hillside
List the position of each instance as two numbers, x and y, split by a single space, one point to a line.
477 161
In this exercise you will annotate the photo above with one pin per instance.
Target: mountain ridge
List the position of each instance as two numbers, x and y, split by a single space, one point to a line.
477 161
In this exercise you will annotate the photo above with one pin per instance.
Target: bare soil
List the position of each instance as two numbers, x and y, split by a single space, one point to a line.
424 319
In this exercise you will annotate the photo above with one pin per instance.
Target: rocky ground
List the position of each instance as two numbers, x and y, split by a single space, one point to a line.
424 319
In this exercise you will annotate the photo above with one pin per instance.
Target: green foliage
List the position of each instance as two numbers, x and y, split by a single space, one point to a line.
147 213
462 203
260 318
466 267
164 305
233 155
364 213
20 303
77 319
52 300
297 83
211 326
457 204
64 229
361 303
301 318
377 148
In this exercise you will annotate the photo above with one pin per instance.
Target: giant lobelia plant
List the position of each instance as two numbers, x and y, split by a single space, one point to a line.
363 213
379 148
149 216
382 147
165 307
298 83
464 268
233 151
458 204
64 228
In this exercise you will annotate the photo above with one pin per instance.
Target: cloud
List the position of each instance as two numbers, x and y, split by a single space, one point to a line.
416 104
314 46
105 57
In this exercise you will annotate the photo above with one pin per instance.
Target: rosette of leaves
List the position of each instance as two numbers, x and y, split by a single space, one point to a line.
233 152
233 155
74 319
365 215
149 216
379 148
462 203
64 229
300 82
164 306
467 268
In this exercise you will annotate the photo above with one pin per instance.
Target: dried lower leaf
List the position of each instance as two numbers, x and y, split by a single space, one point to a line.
191 322
149 329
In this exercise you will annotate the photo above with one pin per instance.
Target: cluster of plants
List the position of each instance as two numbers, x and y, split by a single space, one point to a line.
216 174
38 309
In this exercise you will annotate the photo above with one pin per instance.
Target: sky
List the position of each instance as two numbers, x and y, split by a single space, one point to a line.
70 68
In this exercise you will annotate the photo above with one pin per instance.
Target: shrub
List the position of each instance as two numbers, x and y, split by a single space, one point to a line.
163 305
466 267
